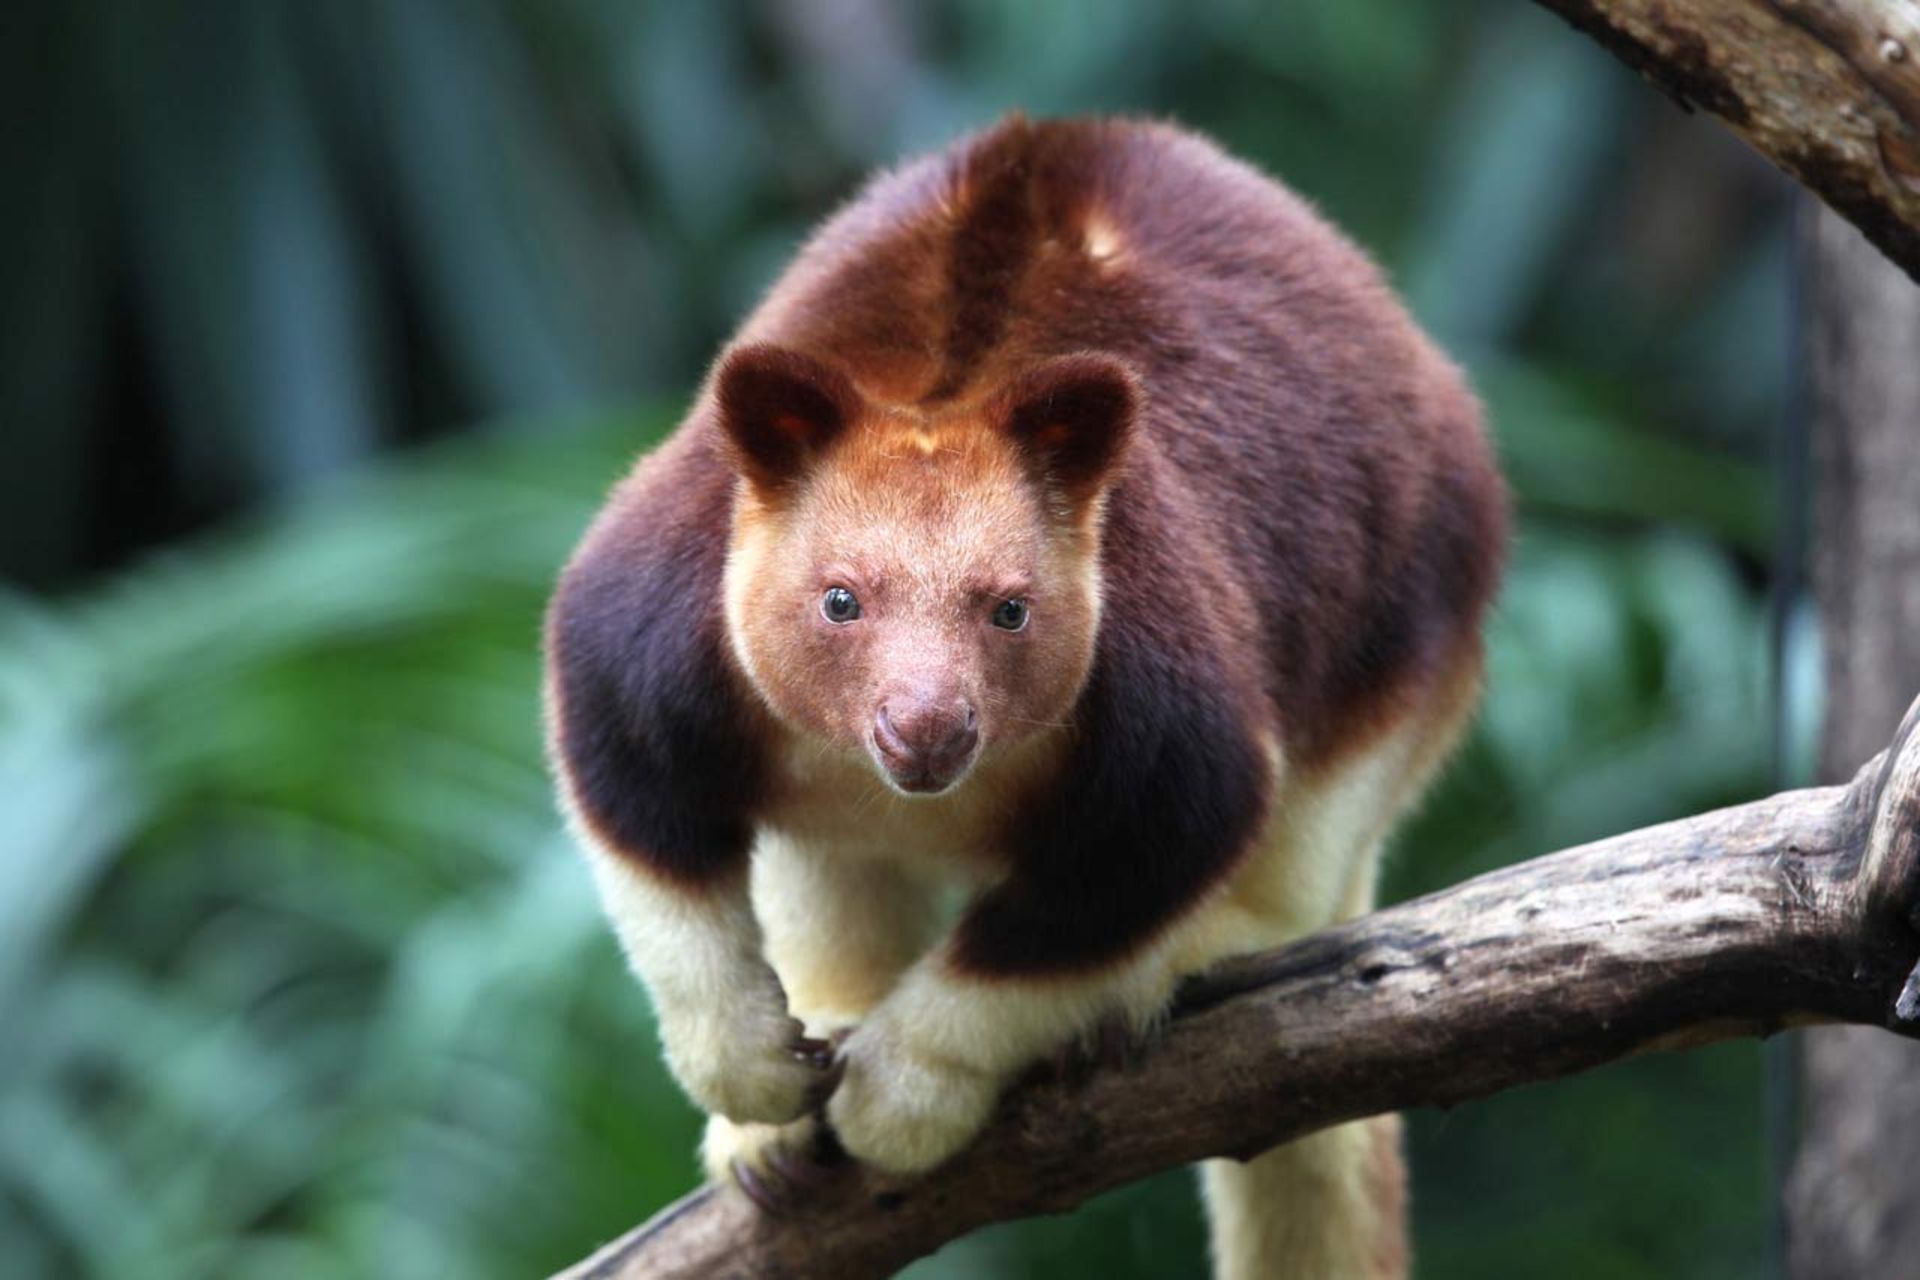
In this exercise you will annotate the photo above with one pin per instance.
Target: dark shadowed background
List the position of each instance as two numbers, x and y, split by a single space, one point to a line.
325 327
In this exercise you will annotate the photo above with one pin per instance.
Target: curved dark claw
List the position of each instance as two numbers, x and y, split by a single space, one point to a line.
1070 1064
802 1168
770 1194
1112 1045
830 1073
788 1173
1119 1046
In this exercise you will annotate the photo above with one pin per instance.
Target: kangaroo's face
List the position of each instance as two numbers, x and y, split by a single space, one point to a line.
923 589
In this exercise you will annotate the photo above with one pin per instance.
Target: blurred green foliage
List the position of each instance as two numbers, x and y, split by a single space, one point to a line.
298 976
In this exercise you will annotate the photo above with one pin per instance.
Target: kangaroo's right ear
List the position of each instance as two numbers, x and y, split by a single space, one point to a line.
780 409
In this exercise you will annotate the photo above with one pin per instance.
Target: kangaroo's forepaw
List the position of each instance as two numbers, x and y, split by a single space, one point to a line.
1112 1044
778 1167
903 1112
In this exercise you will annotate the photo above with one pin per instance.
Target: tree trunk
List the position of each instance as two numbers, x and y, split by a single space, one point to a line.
1853 1196
1829 90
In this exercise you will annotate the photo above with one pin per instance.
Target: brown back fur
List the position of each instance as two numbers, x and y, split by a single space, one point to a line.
1318 464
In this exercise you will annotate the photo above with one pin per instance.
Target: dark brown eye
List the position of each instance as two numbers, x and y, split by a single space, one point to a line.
839 605
1010 615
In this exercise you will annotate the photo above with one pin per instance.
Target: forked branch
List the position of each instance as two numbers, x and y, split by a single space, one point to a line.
1801 908
1829 90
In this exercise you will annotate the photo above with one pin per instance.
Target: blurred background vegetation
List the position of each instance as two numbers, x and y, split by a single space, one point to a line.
327 325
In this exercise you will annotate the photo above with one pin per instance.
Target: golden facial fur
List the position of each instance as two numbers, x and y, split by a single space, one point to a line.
940 534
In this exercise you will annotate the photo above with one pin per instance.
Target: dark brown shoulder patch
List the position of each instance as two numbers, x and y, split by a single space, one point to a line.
652 734
1162 793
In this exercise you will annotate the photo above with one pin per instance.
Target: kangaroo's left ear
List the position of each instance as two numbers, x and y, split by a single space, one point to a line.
1072 418
780 410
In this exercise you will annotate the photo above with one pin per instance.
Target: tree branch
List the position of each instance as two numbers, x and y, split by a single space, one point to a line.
1829 90
1801 908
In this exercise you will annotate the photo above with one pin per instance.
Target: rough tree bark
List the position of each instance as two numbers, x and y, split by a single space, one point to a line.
1829 90
1800 908
1853 1198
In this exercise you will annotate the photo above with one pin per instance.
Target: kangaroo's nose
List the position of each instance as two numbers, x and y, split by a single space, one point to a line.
925 743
